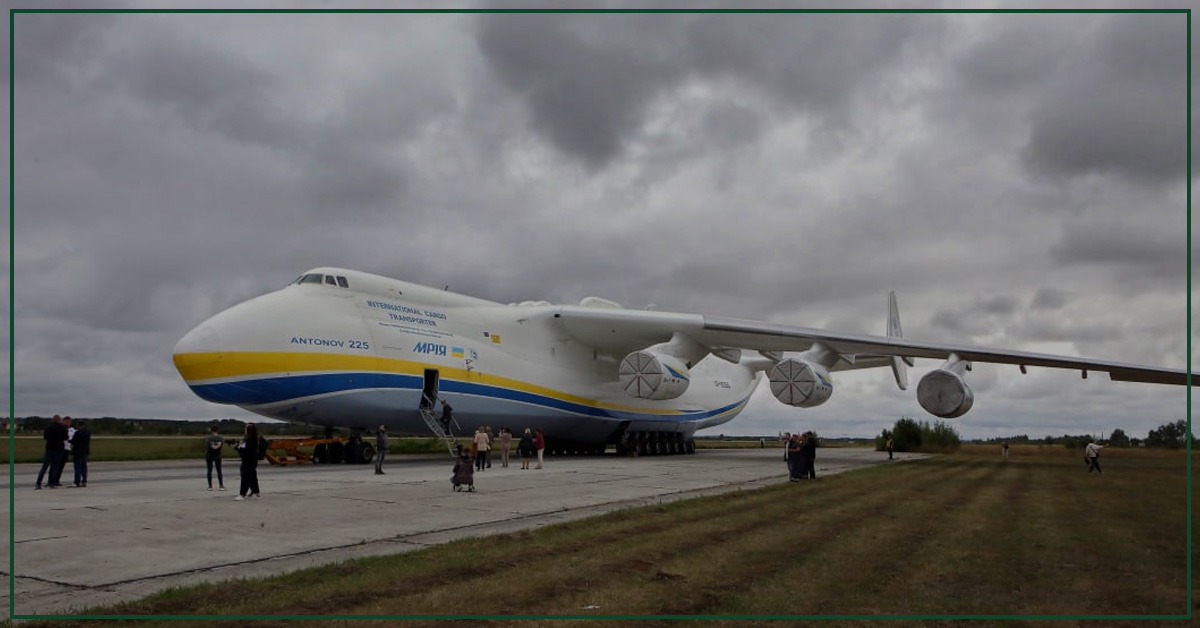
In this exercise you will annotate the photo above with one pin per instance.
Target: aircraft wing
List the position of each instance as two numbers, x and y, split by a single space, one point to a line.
620 331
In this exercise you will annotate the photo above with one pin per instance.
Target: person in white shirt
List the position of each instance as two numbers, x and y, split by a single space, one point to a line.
482 444
1092 452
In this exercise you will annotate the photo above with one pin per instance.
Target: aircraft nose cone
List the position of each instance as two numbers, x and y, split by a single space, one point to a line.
202 339
198 349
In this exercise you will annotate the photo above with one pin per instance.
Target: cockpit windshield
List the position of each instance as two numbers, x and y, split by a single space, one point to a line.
318 278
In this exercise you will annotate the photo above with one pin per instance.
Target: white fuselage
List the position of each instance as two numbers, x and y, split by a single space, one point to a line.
361 354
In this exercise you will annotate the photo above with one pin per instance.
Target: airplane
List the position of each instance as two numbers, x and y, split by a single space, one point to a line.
345 349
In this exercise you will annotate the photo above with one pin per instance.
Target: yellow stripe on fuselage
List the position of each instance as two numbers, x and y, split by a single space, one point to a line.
198 368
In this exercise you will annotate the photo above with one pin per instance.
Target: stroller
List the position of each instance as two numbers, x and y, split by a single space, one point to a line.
464 474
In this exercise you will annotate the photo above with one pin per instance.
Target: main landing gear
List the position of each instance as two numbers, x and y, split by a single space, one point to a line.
655 444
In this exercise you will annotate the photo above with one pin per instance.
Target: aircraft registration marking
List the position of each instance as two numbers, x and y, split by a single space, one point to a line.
351 343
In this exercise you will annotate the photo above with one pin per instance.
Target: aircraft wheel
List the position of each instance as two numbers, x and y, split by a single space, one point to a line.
691 446
320 454
337 453
366 452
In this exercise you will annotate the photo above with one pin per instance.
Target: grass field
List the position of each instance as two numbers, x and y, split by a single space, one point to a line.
963 534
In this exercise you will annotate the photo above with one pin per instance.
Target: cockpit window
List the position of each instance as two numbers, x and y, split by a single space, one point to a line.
342 282
311 278
330 280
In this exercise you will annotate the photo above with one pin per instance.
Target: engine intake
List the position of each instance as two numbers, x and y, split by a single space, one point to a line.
945 394
651 374
800 383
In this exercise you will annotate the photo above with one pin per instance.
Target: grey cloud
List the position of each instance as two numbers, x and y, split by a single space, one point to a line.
984 315
997 304
211 89
1017 53
954 322
344 176
588 80
1059 330
1119 105
583 91
1047 298
51 44
1157 253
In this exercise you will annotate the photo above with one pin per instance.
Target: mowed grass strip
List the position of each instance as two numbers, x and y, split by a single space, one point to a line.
963 534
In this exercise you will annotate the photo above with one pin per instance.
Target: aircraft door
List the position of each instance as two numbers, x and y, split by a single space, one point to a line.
429 392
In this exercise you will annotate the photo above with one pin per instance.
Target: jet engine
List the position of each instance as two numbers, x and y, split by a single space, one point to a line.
650 374
800 383
944 393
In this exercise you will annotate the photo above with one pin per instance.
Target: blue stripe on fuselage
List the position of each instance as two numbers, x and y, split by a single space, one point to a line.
272 390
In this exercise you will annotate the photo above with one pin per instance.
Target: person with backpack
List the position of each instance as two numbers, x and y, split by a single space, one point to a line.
212 456
252 449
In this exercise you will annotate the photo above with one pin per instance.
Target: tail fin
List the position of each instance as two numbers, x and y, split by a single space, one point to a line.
893 331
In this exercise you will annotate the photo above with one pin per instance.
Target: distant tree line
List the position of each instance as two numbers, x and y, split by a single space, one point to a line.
1171 435
111 426
910 435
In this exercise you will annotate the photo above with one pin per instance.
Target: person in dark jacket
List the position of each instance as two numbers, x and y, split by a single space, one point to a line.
447 416
248 449
526 448
381 448
81 448
212 456
809 455
55 435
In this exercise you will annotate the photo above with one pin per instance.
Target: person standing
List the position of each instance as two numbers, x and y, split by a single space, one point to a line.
525 448
212 456
481 448
1004 449
487 455
81 448
787 443
54 435
67 445
891 446
1092 452
809 456
505 445
381 448
447 416
794 461
539 443
60 462
249 450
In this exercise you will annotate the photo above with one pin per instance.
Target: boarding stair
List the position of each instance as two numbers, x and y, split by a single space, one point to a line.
435 426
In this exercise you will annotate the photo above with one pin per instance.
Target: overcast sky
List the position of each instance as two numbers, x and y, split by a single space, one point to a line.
1018 179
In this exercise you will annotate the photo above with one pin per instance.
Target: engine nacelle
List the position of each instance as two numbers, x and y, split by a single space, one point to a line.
650 374
944 394
800 383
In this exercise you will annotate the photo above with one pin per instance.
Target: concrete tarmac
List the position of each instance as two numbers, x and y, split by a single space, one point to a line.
140 527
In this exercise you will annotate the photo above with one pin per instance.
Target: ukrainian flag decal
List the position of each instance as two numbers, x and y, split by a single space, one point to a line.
456 352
